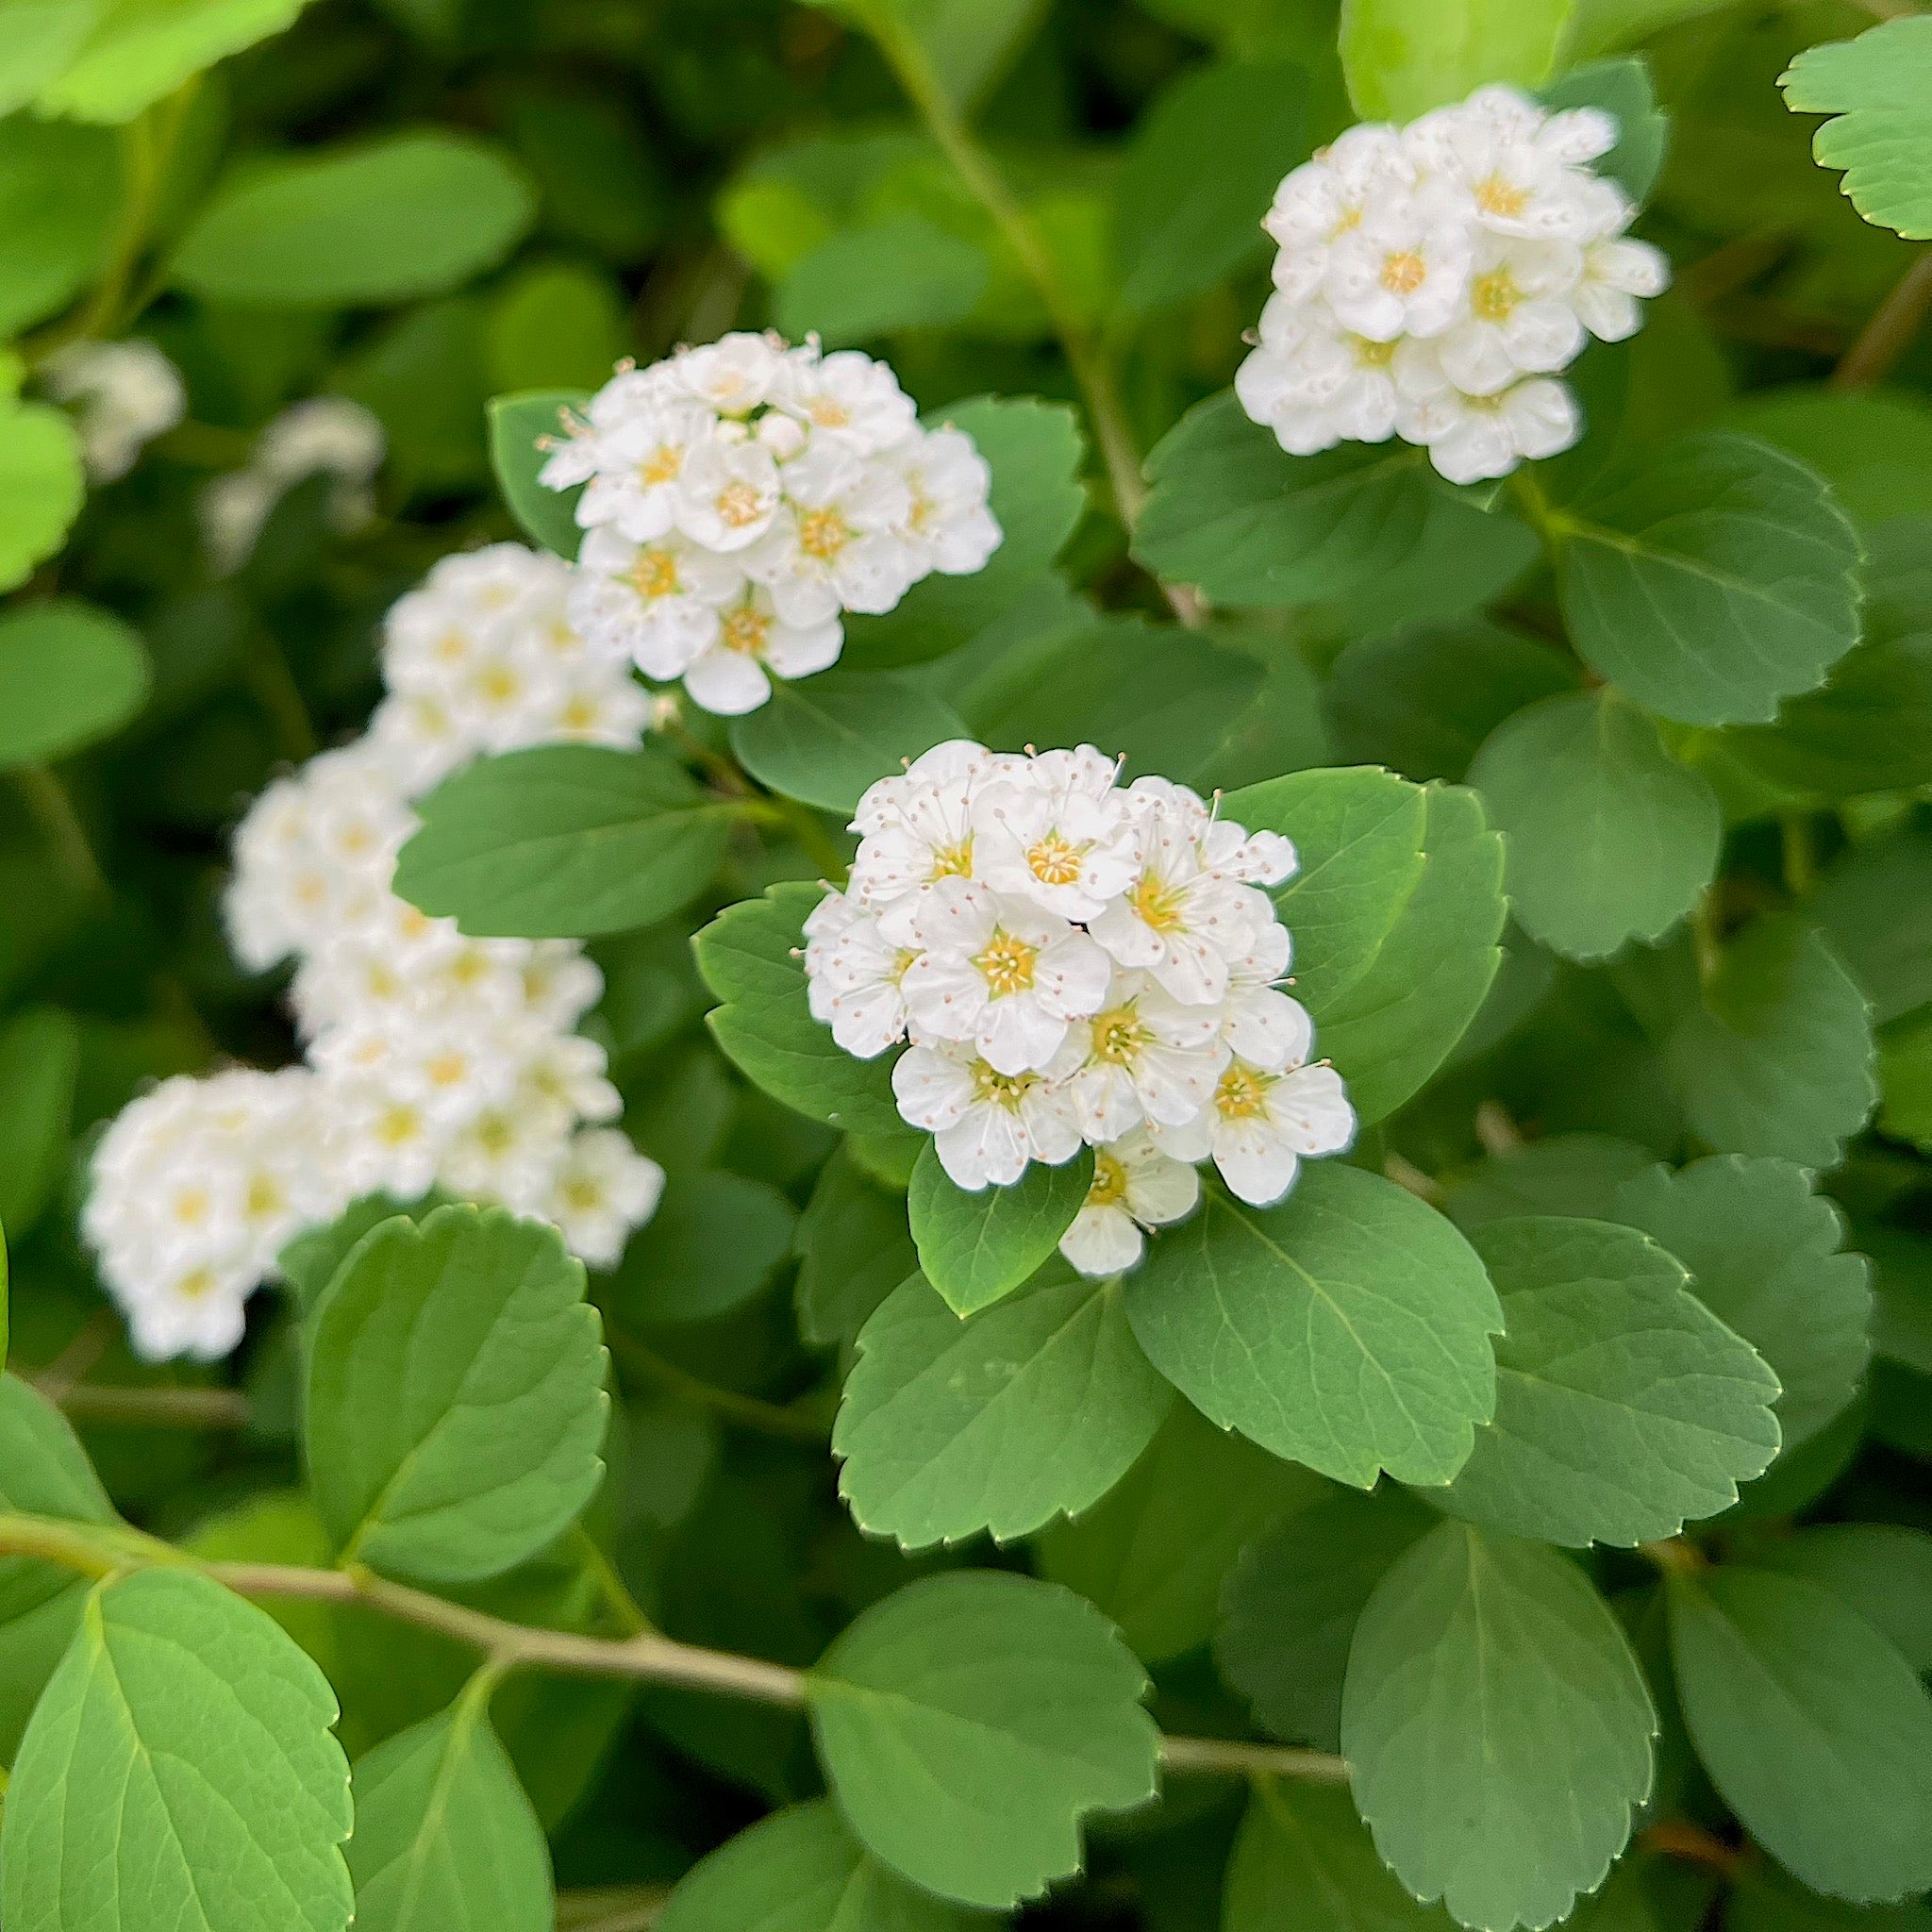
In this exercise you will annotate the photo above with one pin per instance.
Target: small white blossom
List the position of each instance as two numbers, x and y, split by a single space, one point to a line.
1135 1186
127 395
987 1126
1425 270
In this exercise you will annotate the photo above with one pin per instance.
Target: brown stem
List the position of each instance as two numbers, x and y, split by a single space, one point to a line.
1889 333
1674 1555
1238 1757
151 1408
1677 1837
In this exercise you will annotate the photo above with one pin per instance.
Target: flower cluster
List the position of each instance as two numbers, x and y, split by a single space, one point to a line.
324 435
434 1061
1076 962
125 394
1433 280
740 497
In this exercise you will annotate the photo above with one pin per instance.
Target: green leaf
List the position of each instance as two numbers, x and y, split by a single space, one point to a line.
1869 729
445 1840
1876 907
1711 579
711 1246
456 1395
1164 700
749 957
178 1772
965 45
1497 1727
854 1250
1815 1730
1576 1175
42 38
801 1871
1346 1328
60 190
976 1248
1032 1409
1036 452
409 214
1623 89
1405 57
1882 1569
1874 446
1624 1407
903 271
68 676
1765 1900
564 842
1229 510
517 423
1608 838
1199 175
1397 1023
42 486
1289 1612
824 742
1423 698
1154 1552
1877 88
1776 1057
1764 1251
553 322
309 1262
1303 1857
135 52
40 1055
969 1723
1396 911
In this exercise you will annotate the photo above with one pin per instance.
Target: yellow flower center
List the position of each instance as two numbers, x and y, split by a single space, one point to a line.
1348 219
739 504
954 862
1243 1094
1159 904
196 1283
1007 964
1403 273
498 685
1370 355
397 1126
579 714
192 1205
665 464
1118 1036
264 1197
1109 1187
655 574
1494 297
446 1069
745 630
1497 196
1001 1090
828 413
823 533
584 1192
494 1133
452 647
1055 861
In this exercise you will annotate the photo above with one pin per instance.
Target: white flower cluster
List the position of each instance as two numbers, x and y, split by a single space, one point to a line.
1433 280
321 436
1075 962
126 394
433 1060
740 497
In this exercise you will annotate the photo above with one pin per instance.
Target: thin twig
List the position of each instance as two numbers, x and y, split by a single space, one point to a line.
105 1551
1889 333
1677 1837
787 1422
128 1408
610 1909
89 1342
53 811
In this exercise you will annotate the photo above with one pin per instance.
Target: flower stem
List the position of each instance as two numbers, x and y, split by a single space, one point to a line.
1891 330
53 811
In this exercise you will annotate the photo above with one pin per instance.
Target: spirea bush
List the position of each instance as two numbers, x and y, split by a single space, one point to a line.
965 962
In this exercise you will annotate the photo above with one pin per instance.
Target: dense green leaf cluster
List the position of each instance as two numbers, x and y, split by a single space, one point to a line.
1523 1520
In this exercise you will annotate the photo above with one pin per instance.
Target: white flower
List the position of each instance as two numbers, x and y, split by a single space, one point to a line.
1520 321
727 495
1326 200
634 469
1617 275
1260 1022
1473 437
1403 271
853 978
732 375
846 396
323 435
833 543
947 526
1060 834
1145 1056
128 394
987 1126
1260 1125
604 1189
1000 973
733 674
1134 1186
658 603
